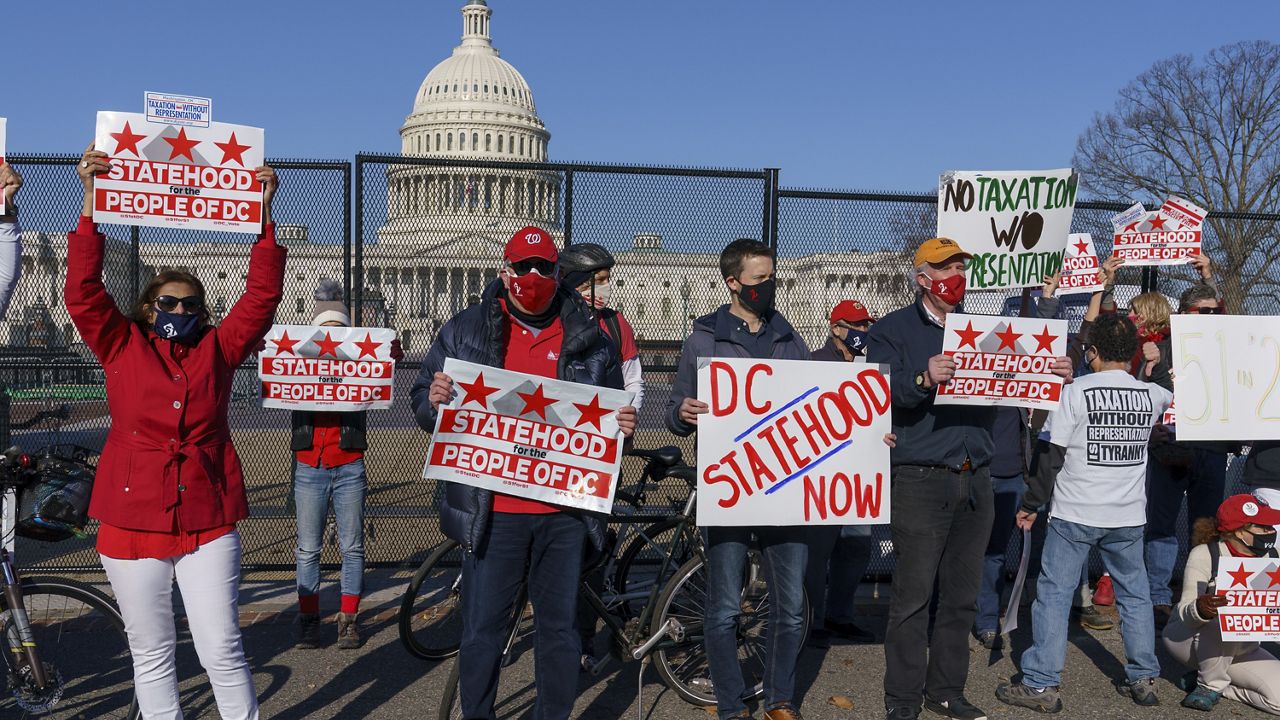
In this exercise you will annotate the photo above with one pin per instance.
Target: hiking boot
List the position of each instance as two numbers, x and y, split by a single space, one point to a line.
1202 698
1162 614
989 639
348 632
1142 692
1103 592
1092 618
785 711
849 631
959 708
308 631
1045 700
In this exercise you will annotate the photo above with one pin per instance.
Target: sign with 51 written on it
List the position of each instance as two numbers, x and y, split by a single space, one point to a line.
1227 376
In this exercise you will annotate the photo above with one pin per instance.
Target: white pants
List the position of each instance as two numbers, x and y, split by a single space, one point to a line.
209 580
1241 671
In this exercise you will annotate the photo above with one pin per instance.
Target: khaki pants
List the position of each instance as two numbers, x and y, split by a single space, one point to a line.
1241 671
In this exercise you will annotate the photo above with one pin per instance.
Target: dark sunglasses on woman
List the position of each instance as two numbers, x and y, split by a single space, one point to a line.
169 303
544 267
1207 310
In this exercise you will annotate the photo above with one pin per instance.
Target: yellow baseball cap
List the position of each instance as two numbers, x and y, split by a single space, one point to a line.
939 249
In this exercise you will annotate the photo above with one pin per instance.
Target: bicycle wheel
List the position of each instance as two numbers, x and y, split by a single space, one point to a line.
431 609
82 644
642 560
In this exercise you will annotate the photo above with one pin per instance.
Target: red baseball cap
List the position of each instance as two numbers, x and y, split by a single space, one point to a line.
1239 510
531 242
851 311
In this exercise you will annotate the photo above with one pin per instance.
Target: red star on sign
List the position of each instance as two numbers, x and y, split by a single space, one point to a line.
1157 223
1044 341
1131 227
969 336
182 145
591 412
536 402
284 343
1082 247
1275 577
327 346
127 139
232 150
1239 577
477 391
1008 339
368 347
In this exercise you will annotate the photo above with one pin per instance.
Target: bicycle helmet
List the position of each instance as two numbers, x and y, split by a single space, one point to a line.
55 506
580 261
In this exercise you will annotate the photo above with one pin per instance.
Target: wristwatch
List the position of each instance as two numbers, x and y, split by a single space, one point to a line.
920 380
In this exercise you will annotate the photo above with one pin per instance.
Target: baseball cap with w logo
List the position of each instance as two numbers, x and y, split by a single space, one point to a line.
531 242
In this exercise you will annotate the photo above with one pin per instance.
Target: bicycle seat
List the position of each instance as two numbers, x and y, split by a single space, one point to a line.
666 455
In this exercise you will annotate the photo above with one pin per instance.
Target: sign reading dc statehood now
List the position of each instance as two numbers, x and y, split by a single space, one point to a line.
1003 361
329 369
529 436
790 442
163 175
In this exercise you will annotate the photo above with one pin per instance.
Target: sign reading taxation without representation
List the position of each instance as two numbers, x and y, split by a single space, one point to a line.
1252 587
529 436
194 178
1226 376
1081 272
331 369
1168 236
792 443
1003 361
171 109
1014 223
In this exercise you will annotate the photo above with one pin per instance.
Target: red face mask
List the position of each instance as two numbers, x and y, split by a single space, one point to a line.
532 290
949 290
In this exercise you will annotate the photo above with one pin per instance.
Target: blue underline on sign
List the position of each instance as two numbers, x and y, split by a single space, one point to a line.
808 467
776 413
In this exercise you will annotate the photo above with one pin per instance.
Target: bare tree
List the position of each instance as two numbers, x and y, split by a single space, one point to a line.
1208 131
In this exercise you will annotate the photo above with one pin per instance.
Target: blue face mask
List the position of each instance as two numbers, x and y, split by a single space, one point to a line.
856 341
175 327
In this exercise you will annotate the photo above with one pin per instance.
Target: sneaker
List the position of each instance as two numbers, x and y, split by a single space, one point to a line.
902 712
1188 682
785 711
348 632
1202 698
1104 593
308 631
1094 619
955 708
850 632
989 639
1045 700
1142 692
1162 614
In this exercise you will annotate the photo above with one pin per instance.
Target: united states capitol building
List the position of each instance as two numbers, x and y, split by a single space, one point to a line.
444 229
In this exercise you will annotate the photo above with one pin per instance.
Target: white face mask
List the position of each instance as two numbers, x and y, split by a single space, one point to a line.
602 292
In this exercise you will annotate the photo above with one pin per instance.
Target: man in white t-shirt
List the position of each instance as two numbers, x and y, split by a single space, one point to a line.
1095 471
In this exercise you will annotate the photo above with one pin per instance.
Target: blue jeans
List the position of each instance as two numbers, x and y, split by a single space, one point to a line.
1066 548
547 550
1204 485
312 490
1008 497
786 554
838 559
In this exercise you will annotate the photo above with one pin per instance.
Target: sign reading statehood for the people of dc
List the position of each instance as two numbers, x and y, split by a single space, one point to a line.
193 178
789 442
1014 223
329 369
1003 361
1252 587
529 436
1081 271
1168 236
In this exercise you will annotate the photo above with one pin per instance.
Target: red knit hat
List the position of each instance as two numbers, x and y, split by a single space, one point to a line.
531 242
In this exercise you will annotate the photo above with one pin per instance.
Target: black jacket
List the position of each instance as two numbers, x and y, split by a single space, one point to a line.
352 436
479 334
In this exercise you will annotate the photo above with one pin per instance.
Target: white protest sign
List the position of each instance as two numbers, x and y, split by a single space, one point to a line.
1003 361
1081 271
331 369
529 436
3 122
171 109
1226 376
1168 236
1014 223
191 178
791 442
1252 587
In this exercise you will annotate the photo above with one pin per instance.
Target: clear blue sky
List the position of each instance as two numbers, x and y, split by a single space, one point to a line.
838 94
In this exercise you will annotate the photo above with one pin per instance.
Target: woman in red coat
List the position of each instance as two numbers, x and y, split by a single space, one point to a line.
169 488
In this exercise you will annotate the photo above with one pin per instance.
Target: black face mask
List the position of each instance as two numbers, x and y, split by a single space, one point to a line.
758 298
175 327
1262 543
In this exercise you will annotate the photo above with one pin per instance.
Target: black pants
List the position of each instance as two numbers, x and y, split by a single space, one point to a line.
940 524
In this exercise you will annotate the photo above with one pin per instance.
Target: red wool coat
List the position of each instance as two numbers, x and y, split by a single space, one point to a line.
168 462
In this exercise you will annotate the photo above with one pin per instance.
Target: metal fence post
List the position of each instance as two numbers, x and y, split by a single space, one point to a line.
346 225
568 207
775 179
357 245
135 264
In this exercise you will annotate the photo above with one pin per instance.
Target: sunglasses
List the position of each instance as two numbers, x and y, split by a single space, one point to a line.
1207 310
545 268
169 303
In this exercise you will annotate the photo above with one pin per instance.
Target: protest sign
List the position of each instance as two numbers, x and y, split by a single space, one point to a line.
790 442
529 436
3 121
1167 236
331 369
171 109
1081 271
1252 587
1003 361
1226 376
192 178
1014 223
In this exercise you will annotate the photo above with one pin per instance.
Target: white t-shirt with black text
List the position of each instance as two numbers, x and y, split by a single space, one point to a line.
1103 422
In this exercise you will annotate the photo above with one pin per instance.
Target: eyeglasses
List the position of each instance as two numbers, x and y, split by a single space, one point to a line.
544 267
1219 310
169 303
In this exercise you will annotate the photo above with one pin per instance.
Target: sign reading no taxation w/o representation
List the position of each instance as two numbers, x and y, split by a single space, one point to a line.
1226 376
529 436
790 442
1168 236
1003 361
1014 223
330 369
194 178
1081 271
1252 587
